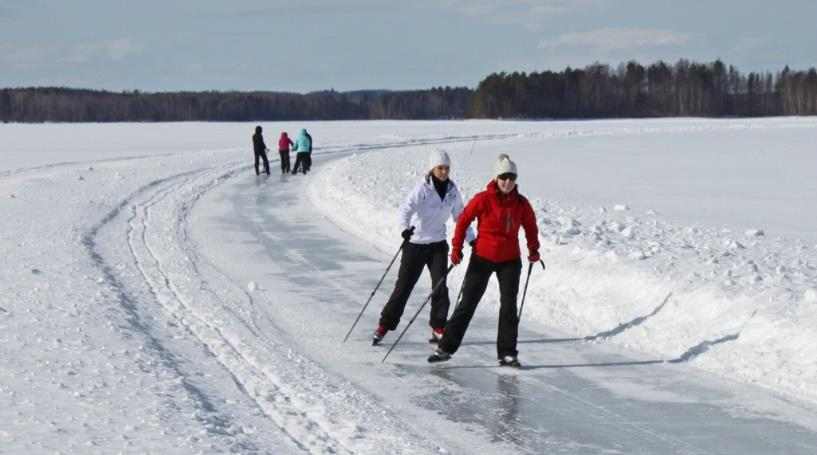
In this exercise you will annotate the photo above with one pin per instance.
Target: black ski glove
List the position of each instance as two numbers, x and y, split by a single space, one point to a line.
406 234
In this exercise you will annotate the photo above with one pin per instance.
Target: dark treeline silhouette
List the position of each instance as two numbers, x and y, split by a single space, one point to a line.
76 105
596 91
55 104
659 90
437 103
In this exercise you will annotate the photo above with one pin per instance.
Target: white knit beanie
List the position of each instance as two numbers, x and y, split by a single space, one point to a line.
438 157
505 165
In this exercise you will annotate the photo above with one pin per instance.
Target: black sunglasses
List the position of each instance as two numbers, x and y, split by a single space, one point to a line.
506 176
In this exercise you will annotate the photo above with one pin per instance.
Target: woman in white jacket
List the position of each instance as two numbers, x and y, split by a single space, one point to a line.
426 209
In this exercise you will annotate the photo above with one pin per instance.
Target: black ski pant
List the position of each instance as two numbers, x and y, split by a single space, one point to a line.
284 160
300 162
308 162
262 155
476 281
433 256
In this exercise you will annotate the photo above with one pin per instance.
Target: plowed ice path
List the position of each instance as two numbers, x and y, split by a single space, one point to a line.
229 295
572 396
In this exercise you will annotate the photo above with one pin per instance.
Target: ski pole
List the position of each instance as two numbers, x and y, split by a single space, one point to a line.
376 287
530 269
435 289
459 296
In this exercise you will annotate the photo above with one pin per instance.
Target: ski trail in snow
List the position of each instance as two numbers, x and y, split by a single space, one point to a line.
381 430
246 371
227 325
130 303
158 225
23 170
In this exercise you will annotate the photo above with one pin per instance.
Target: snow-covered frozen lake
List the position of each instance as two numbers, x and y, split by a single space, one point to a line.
155 295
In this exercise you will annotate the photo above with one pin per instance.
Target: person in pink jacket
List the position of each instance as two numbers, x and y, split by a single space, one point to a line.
284 144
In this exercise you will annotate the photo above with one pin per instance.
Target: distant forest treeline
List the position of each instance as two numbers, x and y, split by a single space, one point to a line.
596 91
659 90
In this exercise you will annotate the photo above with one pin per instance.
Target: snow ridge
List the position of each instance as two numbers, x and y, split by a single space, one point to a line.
724 298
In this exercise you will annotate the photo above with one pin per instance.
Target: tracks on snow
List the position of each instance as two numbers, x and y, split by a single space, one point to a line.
318 411
156 232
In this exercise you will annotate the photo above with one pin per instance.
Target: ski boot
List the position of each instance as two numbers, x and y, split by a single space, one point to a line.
439 356
510 361
436 335
378 334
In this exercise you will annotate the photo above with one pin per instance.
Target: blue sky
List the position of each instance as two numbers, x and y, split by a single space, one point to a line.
307 45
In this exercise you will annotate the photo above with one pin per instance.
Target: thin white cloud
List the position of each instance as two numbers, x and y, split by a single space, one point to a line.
111 50
22 58
613 39
749 43
48 56
527 13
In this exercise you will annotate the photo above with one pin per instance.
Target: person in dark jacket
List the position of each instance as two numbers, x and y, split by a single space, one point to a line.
500 211
308 157
284 143
260 149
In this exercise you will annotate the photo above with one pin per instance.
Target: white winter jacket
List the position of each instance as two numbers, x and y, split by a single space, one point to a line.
424 210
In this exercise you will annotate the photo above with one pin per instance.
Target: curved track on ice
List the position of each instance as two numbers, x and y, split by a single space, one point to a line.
572 396
198 238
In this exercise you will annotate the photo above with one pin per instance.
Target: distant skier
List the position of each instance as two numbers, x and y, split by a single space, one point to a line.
500 211
308 156
260 149
428 206
284 143
302 149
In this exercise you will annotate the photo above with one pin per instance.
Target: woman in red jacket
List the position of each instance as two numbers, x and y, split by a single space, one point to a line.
500 211
284 143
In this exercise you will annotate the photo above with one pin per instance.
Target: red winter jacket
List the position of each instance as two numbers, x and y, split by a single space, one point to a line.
284 143
498 223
